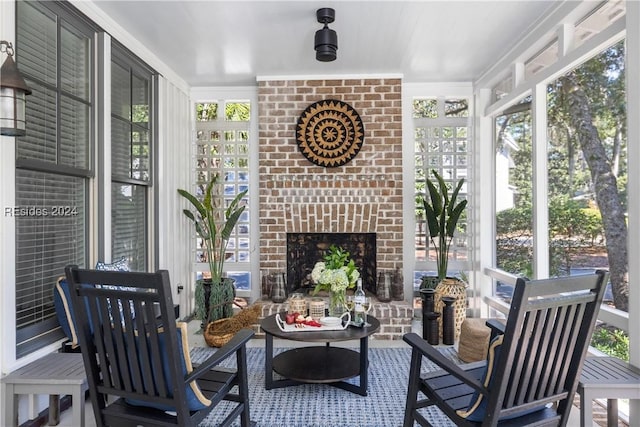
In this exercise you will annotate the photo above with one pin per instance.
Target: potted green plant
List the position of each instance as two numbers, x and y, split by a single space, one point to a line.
442 212
214 224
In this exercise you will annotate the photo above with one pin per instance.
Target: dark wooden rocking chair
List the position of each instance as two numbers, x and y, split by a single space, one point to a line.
137 362
533 366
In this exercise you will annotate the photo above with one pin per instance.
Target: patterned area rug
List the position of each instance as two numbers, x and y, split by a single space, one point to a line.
321 405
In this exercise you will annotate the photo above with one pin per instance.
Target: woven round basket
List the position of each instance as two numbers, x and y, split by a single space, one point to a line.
219 332
216 333
458 290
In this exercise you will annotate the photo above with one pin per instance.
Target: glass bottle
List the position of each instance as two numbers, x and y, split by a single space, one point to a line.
358 310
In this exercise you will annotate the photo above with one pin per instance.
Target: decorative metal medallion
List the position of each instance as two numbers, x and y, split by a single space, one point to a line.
329 133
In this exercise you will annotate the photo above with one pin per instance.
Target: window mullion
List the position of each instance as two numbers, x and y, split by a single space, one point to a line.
540 183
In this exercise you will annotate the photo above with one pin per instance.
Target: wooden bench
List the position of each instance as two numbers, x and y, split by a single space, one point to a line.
610 378
54 374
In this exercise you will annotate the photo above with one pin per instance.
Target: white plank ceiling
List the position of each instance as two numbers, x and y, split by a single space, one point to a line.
232 42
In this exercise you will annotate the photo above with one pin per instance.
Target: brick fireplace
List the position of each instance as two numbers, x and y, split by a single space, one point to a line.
363 196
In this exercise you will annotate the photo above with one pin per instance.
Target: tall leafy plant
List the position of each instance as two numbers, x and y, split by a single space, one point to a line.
442 212
214 225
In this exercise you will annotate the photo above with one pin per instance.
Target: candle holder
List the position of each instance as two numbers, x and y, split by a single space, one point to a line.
433 335
448 321
428 306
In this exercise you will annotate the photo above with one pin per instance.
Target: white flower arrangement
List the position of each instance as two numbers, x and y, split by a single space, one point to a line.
336 273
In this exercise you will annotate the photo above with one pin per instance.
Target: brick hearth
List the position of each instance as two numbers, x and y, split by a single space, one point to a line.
395 318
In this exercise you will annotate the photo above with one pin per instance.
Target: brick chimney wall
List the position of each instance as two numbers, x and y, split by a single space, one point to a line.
365 195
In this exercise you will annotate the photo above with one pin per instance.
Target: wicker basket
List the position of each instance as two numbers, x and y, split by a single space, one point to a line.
216 333
219 332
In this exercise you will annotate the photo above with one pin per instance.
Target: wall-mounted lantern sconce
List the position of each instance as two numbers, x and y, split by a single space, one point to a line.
13 90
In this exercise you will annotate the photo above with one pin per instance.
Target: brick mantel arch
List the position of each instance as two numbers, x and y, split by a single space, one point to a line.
331 218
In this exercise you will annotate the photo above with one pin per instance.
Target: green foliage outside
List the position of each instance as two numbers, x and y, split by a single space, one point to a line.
573 229
234 111
575 222
611 341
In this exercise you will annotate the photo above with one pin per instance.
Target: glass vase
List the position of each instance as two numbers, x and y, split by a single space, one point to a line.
337 303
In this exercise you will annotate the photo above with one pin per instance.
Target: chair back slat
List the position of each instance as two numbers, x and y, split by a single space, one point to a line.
116 338
540 362
530 358
130 324
563 350
555 327
545 341
154 353
575 318
98 310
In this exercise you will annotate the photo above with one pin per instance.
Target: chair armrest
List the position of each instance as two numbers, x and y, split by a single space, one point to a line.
238 341
496 326
428 351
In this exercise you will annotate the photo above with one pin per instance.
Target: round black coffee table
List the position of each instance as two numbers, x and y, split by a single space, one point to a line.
318 364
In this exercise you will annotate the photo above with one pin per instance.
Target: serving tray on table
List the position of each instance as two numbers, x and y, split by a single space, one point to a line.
301 327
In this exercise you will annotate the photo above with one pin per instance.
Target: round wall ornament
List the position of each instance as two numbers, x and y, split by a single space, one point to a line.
329 133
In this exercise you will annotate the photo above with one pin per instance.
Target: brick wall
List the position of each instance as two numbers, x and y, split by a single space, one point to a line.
365 195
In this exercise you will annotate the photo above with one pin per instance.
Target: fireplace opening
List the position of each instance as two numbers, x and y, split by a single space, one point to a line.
305 249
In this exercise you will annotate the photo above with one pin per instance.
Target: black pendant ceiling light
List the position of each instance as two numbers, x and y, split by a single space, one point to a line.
326 41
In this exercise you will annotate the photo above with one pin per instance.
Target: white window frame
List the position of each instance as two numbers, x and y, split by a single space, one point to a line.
411 91
235 94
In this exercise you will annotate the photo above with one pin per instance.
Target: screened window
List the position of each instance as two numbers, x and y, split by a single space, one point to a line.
53 167
586 178
222 147
131 139
585 192
587 171
514 175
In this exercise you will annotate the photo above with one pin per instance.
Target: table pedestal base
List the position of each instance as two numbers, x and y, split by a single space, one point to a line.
318 364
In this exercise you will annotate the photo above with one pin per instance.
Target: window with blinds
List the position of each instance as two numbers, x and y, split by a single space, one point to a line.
131 137
53 167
